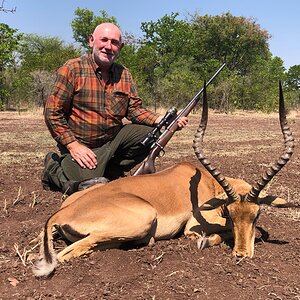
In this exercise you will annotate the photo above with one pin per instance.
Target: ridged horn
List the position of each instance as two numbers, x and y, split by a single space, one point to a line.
252 196
198 139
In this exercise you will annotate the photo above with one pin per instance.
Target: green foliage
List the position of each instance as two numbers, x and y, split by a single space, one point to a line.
38 58
128 55
238 41
45 53
169 62
260 89
184 53
85 22
179 85
293 85
9 42
293 80
160 55
224 97
169 39
18 85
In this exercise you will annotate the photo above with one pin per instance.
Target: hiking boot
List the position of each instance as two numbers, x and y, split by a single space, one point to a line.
70 187
46 182
90 182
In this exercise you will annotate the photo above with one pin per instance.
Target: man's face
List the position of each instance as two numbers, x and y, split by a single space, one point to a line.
106 45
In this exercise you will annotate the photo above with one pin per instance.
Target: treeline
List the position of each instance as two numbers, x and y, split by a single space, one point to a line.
169 62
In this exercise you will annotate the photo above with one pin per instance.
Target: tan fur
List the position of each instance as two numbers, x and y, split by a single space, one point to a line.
140 209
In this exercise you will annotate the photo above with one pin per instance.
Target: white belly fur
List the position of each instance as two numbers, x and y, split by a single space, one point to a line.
169 226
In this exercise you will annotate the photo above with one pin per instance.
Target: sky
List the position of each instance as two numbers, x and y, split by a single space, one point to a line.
53 17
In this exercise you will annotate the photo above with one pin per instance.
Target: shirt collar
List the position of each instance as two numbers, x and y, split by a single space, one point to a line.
96 68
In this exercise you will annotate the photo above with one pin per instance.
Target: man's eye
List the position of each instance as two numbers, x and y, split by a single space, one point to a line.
115 42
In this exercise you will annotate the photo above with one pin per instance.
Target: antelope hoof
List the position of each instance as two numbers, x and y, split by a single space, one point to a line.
202 242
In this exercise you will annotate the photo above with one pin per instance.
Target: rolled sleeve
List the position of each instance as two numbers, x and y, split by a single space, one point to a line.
58 106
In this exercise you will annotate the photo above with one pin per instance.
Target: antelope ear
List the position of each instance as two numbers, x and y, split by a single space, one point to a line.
212 203
277 202
272 201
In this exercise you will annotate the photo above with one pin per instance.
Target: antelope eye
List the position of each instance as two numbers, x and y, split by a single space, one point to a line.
226 213
256 217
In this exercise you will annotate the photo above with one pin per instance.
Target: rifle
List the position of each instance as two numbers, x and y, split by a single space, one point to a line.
170 121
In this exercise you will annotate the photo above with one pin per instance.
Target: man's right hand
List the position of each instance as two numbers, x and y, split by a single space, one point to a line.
83 155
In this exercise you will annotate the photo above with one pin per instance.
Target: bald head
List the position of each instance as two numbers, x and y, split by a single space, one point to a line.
108 27
106 44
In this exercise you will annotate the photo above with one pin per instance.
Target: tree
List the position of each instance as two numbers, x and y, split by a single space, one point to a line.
293 80
165 42
293 84
238 41
85 22
45 53
12 10
179 85
259 90
39 57
169 38
9 43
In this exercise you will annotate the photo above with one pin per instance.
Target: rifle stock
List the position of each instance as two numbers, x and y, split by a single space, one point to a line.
148 166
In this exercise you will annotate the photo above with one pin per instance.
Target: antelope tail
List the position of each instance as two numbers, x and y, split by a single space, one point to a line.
47 260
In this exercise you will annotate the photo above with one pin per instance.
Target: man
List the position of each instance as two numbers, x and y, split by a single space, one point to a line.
90 97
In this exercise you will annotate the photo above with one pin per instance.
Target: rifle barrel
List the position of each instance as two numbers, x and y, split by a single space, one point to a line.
148 165
193 102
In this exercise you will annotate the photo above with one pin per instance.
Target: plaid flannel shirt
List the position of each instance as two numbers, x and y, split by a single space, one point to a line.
82 108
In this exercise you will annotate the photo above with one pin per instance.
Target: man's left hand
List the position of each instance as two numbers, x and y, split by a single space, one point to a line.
182 122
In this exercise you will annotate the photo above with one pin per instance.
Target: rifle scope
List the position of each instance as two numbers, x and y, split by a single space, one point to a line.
153 135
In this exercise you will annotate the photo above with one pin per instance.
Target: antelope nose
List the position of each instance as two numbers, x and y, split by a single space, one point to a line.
240 254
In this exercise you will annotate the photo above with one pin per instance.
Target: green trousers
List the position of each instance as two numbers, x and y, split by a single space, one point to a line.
113 158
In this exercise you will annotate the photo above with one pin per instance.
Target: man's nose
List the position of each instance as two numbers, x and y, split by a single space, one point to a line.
108 44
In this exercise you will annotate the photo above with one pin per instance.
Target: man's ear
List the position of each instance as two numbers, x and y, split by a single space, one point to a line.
91 41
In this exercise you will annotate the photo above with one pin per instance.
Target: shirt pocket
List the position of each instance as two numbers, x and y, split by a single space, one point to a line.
117 104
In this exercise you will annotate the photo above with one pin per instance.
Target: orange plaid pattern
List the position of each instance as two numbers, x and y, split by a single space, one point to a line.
82 108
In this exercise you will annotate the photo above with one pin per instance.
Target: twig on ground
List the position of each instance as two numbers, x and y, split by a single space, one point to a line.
5 207
18 196
240 260
160 257
171 274
34 200
23 256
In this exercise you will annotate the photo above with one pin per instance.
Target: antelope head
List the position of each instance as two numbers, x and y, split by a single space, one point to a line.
243 209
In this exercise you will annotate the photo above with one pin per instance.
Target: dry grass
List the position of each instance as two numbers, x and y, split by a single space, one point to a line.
35 113
15 157
167 269
247 141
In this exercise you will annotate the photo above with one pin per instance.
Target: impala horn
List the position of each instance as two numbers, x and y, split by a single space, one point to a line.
198 139
252 196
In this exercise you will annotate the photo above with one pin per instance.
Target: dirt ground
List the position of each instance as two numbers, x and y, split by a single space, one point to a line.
242 145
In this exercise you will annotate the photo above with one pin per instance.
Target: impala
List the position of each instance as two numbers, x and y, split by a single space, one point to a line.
140 210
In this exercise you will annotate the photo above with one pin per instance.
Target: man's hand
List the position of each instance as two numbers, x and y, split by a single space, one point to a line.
182 122
83 155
